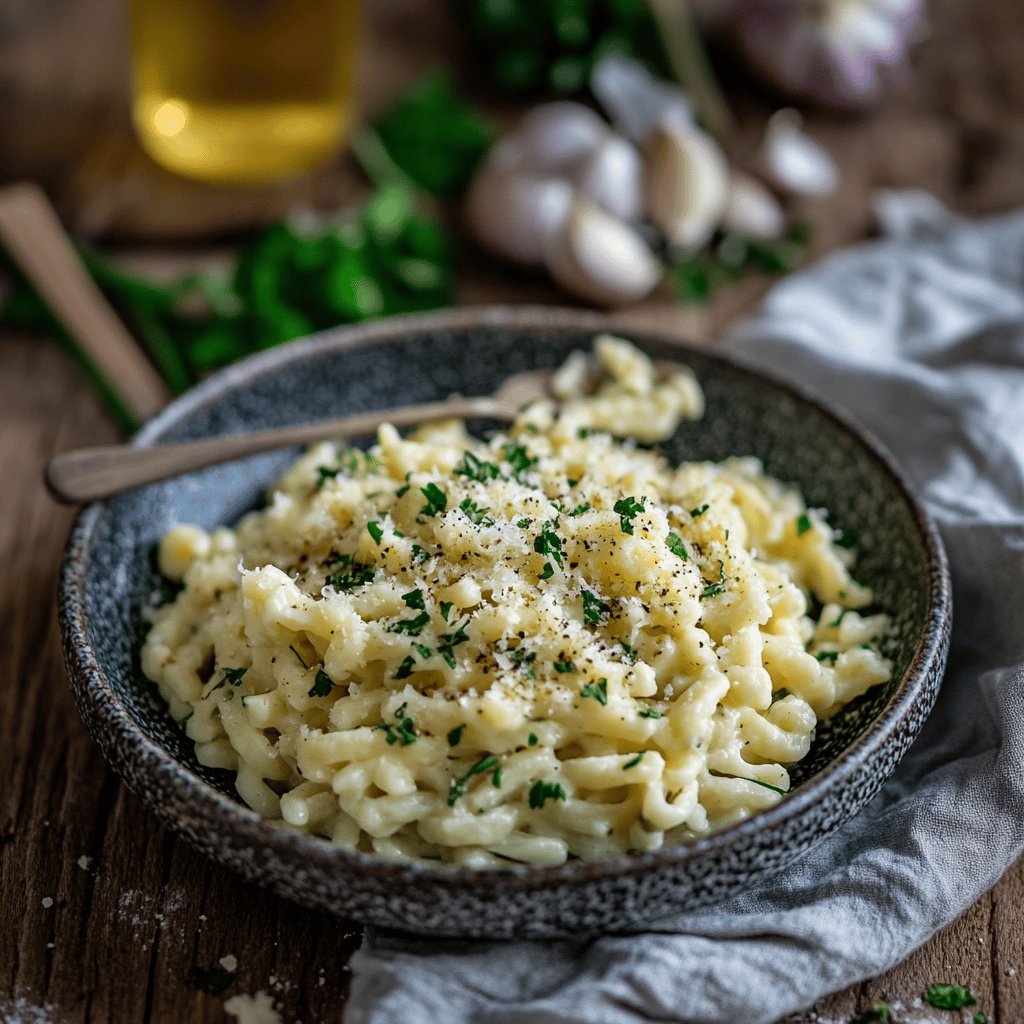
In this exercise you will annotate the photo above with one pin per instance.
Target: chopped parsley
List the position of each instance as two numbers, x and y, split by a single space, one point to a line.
699 511
547 572
593 607
634 761
475 514
352 574
403 730
476 469
457 787
404 671
402 491
496 778
411 627
628 509
547 542
374 529
446 607
564 666
758 782
629 651
531 740
423 651
449 641
437 500
229 677
419 554
598 690
298 657
779 694
980 1018
949 997
839 619
455 736
541 792
523 524
829 656
580 509
845 538
414 599
518 458
585 432
325 473
714 589
675 544
650 713
322 684
803 524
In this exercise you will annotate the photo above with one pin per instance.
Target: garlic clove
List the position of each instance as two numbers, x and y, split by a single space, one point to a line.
793 161
613 177
635 100
687 186
753 210
513 213
601 258
559 137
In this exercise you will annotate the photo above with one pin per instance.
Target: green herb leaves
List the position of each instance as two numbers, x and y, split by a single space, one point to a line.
598 691
403 731
411 627
697 512
322 685
547 542
628 509
803 524
518 458
351 575
376 531
634 761
457 787
949 997
594 609
541 792
233 676
675 544
475 514
650 713
449 641
455 735
414 599
474 468
437 500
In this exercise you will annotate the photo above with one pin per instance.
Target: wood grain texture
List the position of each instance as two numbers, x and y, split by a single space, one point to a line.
129 925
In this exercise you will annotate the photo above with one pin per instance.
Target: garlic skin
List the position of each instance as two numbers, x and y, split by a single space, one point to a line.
613 177
601 258
636 102
844 54
559 137
687 185
793 161
753 210
514 213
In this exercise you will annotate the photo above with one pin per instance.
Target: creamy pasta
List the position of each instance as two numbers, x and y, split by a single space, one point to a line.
550 643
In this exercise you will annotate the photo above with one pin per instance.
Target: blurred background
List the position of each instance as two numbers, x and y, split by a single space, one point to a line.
236 173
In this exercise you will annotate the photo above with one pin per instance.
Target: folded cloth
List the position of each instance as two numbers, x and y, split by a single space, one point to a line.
921 337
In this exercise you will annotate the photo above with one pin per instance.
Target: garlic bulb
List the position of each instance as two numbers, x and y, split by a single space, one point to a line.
514 213
753 210
687 185
600 258
842 53
613 177
559 137
793 161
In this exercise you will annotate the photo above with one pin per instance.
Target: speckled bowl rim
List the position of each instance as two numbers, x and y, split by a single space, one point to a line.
124 742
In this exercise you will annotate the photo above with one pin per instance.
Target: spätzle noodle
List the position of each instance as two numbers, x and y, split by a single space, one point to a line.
546 644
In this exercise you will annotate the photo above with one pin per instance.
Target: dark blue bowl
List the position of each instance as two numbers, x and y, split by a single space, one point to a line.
109 576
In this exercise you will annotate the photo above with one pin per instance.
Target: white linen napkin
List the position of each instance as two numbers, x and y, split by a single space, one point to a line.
921 337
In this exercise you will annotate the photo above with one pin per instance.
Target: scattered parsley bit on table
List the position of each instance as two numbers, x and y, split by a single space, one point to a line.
949 997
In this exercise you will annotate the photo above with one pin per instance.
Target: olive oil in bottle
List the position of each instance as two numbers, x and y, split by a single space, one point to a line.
243 91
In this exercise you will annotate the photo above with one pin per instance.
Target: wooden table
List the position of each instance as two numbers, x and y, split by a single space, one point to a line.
104 916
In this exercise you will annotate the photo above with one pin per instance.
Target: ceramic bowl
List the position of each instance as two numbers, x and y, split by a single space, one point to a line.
109 576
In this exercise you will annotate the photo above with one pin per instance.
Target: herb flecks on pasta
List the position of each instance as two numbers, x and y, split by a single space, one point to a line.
546 644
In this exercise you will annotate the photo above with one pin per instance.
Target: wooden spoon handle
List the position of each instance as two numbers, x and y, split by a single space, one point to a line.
93 473
36 241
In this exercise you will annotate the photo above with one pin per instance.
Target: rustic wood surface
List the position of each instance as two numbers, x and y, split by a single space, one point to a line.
104 916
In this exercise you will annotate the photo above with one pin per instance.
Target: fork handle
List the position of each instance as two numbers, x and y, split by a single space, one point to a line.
93 473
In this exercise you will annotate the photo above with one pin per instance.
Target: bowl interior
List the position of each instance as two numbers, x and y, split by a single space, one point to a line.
746 415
